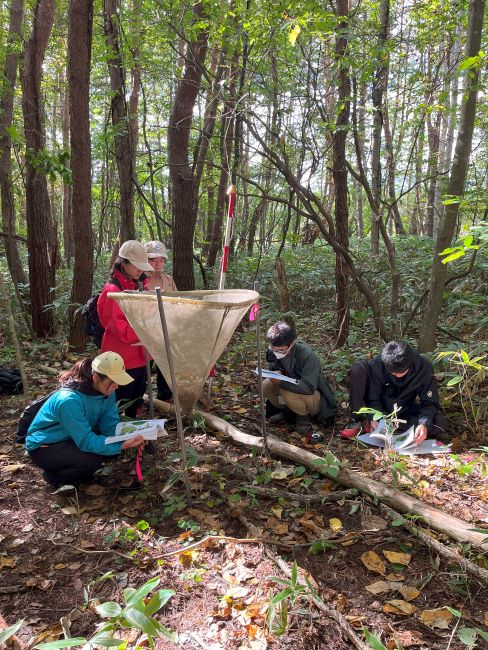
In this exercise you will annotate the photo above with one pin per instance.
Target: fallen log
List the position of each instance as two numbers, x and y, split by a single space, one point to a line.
437 519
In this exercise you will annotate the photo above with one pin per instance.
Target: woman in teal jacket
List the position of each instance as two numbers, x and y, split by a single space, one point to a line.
67 437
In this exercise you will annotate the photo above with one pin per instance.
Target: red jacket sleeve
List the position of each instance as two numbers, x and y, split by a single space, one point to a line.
113 318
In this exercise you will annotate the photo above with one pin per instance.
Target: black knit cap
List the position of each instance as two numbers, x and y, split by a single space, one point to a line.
397 356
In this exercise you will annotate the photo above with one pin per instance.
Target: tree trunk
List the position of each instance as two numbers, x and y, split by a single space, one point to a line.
120 121
226 138
427 339
184 194
80 19
339 171
7 89
38 209
68 236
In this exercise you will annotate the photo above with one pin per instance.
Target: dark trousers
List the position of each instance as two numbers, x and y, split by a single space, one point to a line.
164 391
358 389
64 463
132 394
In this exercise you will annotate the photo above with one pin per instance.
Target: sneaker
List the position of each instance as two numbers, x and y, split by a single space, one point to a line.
277 418
352 429
302 424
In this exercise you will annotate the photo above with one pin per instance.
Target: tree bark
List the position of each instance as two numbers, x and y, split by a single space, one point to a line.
80 20
120 121
68 236
427 339
38 209
7 90
339 172
184 194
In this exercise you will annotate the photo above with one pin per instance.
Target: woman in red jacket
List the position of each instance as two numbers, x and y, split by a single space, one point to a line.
119 336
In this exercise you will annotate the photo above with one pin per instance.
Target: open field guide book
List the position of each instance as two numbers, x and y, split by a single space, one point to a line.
150 429
403 443
271 374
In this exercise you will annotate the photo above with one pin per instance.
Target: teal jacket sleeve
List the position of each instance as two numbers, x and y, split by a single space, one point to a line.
72 417
109 418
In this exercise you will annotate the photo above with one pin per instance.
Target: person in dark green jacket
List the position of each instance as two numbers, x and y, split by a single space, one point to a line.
311 395
67 436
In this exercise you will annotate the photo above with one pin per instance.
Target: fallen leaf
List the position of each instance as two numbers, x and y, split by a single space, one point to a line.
486 619
277 511
350 538
85 543
394 577
399 607
60 566
96 504
188 557
13 468
372 522
281 473
380 587
335 525
409 593
407 639
7 562
398 558
277 526
439 617
94 490
373 562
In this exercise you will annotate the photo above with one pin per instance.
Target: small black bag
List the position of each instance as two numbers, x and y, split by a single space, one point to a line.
10 381
27 416
89 313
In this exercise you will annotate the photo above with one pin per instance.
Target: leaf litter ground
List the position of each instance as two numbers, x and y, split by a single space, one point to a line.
55 547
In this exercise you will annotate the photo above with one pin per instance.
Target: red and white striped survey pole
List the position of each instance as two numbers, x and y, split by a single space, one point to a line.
231 192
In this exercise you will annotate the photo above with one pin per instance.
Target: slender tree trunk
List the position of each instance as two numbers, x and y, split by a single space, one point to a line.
80 19
7 89
68 236
457 179
340 175
120 121
38 209
184 193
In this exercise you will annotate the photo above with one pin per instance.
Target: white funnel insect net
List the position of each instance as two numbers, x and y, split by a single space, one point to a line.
200 324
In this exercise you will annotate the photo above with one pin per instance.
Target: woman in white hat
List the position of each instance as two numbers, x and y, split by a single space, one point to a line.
156 253
128 270
61 439
157 256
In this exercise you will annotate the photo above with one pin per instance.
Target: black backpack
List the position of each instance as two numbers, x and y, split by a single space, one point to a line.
89 313
29 413
10 381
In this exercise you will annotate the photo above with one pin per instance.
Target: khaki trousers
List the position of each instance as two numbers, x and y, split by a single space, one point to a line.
296 402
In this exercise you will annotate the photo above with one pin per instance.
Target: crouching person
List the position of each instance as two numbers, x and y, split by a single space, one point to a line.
401 376
67 436
311 396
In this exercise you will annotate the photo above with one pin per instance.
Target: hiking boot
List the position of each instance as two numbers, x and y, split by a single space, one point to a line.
352 429
302 424
277 418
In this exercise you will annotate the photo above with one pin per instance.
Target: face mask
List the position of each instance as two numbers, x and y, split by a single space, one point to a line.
279 355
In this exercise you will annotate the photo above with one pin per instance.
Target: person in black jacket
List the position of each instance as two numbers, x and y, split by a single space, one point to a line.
310 395
399 375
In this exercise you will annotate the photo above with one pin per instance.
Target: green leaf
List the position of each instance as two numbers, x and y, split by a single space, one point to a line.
109 609
104 641
455 380
452 257
10 631
467 635
294 573
467 241
281 596
137 619
454 612
398 522
469 62
142 592
483 635
293 34
62 643
373 640
159 599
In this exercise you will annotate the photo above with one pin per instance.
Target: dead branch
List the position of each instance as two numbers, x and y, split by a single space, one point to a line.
441 549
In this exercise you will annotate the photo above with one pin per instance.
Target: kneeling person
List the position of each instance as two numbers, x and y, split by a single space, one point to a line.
401 376
312 395
67 436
